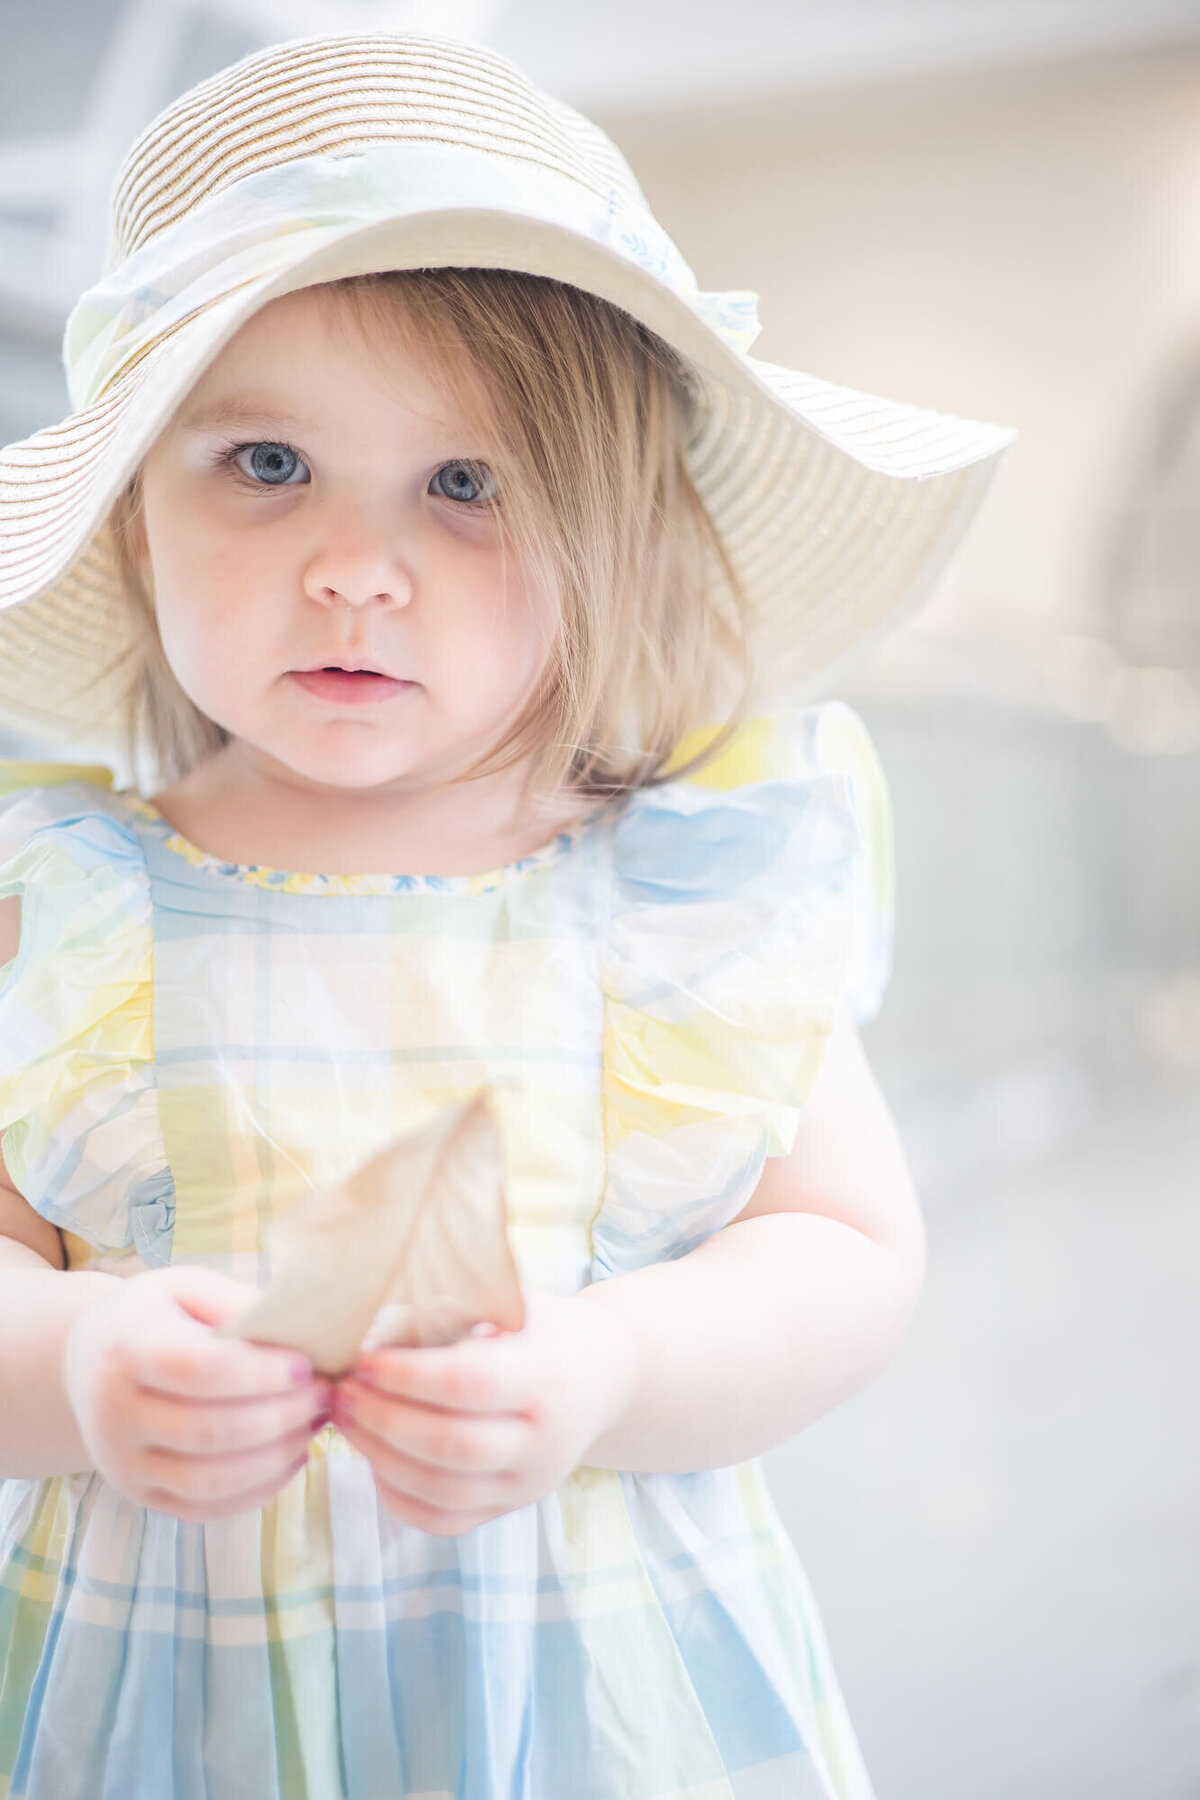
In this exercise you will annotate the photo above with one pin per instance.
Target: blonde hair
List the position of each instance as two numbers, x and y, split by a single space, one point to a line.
591 416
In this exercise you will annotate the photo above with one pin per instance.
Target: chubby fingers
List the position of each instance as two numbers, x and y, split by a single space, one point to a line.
202 1428
213 1485
443 1429
476 1375
437 1439
189 1361
439 1498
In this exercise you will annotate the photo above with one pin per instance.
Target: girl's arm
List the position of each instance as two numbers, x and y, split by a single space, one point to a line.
38 1431
794 1305
39 1303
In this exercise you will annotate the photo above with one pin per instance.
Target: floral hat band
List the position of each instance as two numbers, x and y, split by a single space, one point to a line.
268 221
321 158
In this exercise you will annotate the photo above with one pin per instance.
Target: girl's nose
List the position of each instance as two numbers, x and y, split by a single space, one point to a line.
329 596
354 575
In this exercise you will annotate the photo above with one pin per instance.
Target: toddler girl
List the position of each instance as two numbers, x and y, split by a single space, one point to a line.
419 515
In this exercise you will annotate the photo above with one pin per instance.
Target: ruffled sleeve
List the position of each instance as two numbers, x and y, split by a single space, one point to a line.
751 903
78 1107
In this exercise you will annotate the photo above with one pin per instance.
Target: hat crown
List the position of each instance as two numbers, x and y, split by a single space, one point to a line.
337 96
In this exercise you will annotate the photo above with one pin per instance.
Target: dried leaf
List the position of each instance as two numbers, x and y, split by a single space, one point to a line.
412 1248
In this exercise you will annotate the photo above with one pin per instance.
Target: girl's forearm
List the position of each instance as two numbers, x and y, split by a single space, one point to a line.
38 1306
761 1329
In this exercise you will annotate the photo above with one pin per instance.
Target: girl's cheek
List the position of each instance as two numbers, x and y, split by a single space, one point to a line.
494 652
215 580
210 631
201 602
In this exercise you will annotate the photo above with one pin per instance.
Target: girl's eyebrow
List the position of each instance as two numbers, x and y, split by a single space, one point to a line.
246 414
236 412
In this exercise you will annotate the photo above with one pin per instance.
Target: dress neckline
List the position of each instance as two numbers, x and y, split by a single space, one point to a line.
295 881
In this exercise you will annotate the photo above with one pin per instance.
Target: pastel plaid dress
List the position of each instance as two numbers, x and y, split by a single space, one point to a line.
187 1045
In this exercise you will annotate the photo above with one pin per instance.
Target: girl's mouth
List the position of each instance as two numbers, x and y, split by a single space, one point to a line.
349 687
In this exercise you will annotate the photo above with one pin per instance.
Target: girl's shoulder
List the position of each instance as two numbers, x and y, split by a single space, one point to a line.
787 825
772 767
790 743
77 1103
751 906
69 850
41 798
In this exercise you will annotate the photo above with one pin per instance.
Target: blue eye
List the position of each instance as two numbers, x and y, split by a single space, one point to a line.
465 481
273 465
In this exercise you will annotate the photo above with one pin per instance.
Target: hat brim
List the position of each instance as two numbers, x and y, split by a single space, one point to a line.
837 509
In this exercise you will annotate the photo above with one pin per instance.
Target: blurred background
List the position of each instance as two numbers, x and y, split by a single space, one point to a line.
991 207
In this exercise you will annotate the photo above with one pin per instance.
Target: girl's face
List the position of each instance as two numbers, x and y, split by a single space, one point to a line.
322 534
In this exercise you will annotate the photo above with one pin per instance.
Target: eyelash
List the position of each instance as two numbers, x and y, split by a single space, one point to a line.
228 455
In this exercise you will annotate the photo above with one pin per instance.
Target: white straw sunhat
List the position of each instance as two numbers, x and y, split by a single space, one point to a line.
337 156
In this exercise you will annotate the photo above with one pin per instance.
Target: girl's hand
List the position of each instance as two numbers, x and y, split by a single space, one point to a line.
178 1418
460 1434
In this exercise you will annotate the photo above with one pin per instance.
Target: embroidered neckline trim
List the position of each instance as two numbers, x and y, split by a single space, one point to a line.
293 881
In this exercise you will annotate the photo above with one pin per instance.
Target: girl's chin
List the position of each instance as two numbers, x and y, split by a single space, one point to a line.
343 754
366 747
